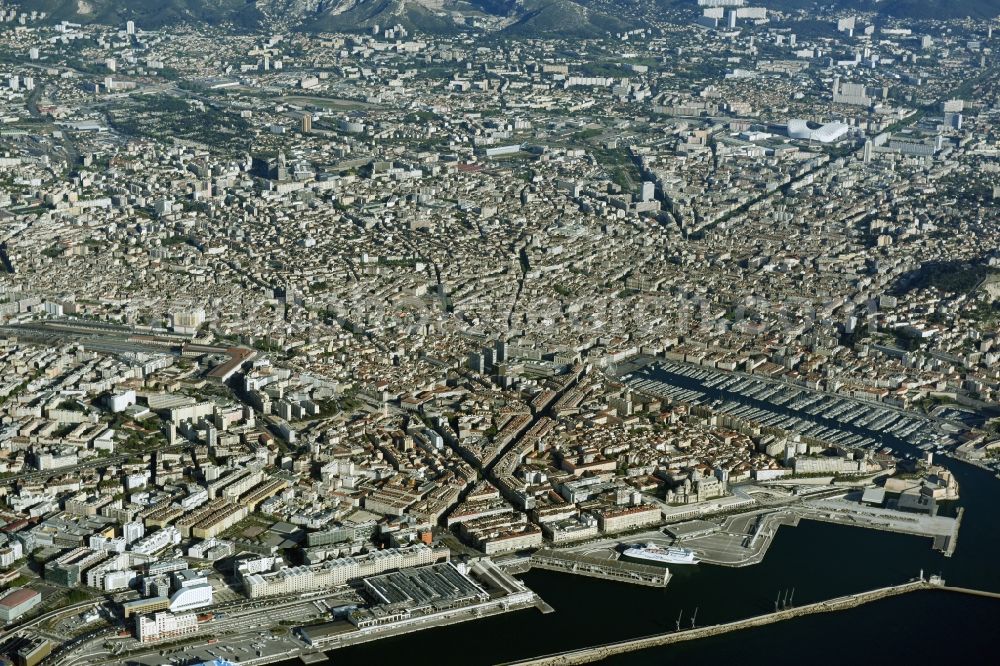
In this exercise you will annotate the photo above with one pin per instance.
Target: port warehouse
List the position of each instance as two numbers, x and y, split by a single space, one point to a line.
421 595
425 587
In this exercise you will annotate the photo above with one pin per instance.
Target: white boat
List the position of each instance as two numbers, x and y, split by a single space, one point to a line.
668 555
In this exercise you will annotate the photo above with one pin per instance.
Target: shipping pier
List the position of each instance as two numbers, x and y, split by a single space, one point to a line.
608 569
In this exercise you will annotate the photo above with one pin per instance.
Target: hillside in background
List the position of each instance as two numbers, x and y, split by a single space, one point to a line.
940 9
529 18
915 9
154 13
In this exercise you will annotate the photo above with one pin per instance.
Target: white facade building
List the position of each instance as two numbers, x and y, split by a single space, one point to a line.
160 626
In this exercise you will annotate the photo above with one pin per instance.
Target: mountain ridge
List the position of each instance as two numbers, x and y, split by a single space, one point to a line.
525 18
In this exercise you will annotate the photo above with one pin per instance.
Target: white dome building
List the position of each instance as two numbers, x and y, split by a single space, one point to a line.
828 133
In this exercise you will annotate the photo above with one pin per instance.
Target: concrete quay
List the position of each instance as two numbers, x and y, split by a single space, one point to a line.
952 540
943 530
741 543
596 653
607 569
743 540
975 593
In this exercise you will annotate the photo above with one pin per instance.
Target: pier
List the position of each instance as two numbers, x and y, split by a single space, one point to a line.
616 570
591 654
740 543
952 539
975 593
941 529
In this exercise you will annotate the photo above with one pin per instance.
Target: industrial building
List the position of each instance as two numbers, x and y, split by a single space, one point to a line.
436 586
17 602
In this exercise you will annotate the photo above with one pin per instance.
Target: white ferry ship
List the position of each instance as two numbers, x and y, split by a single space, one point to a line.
668 555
